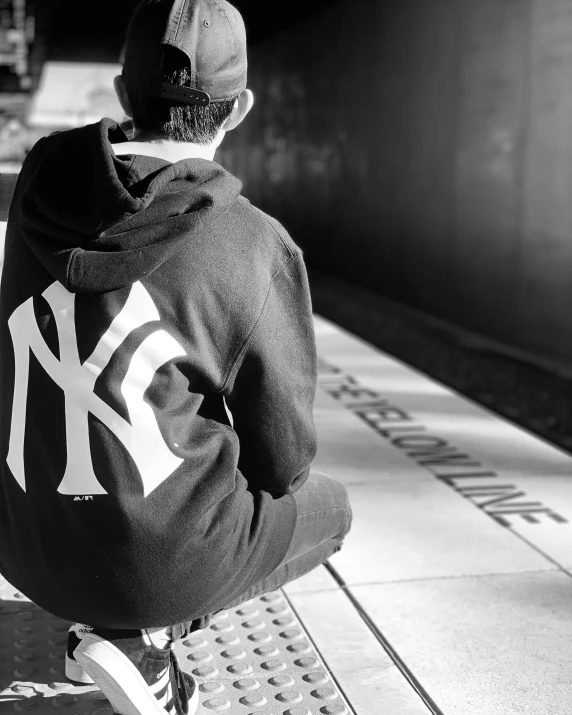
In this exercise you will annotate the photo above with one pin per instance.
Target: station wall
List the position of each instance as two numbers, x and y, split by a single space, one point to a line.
424 150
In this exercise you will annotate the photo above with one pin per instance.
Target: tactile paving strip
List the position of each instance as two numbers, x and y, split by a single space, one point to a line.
254 660
12 601
258 659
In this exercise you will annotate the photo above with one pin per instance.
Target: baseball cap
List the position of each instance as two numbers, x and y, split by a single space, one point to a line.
211 36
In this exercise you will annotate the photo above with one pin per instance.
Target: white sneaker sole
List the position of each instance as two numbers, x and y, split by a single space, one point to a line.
75 672
119 680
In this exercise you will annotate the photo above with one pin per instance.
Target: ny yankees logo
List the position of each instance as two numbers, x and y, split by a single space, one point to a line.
141 437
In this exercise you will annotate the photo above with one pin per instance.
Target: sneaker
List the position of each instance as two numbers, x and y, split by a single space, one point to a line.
74 671
134 675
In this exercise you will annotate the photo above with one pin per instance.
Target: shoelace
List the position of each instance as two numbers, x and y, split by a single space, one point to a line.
182 700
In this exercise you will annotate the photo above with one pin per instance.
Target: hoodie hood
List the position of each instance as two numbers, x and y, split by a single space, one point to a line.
98 222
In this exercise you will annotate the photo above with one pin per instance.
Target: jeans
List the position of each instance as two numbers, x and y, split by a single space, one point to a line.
324 518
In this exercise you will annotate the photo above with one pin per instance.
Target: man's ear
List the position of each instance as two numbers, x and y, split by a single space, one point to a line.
242 107
121 92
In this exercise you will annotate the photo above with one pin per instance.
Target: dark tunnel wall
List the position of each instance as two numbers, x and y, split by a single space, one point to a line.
424 150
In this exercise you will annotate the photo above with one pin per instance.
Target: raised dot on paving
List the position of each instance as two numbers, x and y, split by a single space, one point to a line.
206 671
217 704
274 664
222 616
60 688
64 701
325 693
58 641
280 608
57 671
25 673
245 612
24 643
260 637
228 640
240 668
24 629
299 648
200 656
22 689
281 681
26 616
318 677
284 621
291 634
297 711
306 662
334 709
289 696
211 688
246 684
234 653
254 623
196 642
255 700
270 597
267 651
222 627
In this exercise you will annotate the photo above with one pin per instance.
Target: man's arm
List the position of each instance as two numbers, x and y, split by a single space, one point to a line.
271 390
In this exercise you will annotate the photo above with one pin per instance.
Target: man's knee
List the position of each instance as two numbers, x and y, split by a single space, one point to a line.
339 499
347 511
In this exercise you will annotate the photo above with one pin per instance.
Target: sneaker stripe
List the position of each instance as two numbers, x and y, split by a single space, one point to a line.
162 696
169 699
165 700
161 684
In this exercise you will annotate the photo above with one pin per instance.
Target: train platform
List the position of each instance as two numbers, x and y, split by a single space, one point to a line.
452 594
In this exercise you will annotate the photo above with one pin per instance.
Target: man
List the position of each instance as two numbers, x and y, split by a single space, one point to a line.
158 372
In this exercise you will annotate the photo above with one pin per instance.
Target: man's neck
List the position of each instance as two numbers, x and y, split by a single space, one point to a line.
168 150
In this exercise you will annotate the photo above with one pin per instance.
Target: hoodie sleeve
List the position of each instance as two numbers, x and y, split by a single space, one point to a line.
271 389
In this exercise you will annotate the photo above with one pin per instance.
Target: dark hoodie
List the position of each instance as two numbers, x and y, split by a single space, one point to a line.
141 299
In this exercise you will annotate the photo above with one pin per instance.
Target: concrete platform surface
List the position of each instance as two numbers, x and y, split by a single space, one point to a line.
451 596
459 557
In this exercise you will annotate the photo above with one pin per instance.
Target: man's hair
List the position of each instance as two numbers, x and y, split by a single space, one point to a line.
176 121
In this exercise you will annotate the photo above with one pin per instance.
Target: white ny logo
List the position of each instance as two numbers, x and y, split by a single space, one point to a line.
142 437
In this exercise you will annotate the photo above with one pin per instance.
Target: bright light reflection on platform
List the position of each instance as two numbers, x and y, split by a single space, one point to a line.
394 379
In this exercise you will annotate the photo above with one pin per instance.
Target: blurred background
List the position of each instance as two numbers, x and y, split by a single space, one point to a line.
420 152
